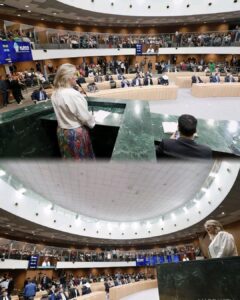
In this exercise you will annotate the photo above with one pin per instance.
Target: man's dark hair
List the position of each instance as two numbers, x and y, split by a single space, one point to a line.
187 125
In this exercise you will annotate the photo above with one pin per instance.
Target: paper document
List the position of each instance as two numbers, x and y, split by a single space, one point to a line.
170 127
101 115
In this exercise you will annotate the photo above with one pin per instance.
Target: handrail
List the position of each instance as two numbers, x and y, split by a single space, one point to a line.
77 39
20 250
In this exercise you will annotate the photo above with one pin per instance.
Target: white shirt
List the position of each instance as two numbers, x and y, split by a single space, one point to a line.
71 109
223 245
46 264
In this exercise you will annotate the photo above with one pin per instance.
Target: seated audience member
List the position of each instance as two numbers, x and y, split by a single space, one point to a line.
148 80
46 262
125 83
136 81
120 77
92 87
196 79
222 243
97 78
150 50
108 77
80 80
5 295
113 84
215 78
229 78
61 295
39 95
73 292
163 80
182 144
86 288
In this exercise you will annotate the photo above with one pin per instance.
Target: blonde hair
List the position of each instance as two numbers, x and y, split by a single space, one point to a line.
64 73
218 226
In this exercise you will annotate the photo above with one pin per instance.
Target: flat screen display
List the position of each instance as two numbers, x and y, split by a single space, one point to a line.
11 52
139 49
33 262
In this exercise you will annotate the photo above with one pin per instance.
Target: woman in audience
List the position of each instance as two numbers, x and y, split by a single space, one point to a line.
72 114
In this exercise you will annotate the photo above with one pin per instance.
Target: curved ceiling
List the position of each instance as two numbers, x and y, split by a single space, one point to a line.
22 222
102 13
113 192
154 8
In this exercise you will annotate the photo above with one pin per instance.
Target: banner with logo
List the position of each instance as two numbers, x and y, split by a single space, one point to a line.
11 52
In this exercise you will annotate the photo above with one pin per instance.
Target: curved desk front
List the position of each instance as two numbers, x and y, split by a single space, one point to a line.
121 291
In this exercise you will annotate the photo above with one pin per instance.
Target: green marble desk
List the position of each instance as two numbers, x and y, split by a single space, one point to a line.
212 279
24 132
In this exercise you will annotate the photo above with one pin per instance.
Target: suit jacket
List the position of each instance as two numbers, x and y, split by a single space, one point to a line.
145 82
8 297
214 79
72 293
196 78
135 80
36 95
227 79
183 148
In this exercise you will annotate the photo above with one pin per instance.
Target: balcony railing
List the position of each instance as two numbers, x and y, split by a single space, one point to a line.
49 38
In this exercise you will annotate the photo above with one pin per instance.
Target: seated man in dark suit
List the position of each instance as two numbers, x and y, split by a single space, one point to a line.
163 80
184 146
39 95
215 78
136 81
229 78
196 79
80 80
125 83
148 80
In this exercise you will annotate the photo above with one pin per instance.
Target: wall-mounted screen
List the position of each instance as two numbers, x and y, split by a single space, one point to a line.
11 52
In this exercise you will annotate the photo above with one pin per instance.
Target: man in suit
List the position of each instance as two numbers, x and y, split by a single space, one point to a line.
136 81
196 79
229 78
184 146
30 290
148 80
39 95
73 292
5 295
4 91
215 78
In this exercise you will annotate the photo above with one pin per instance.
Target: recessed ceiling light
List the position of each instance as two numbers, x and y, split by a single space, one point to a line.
2 4
19 15
26 5
2 173
29 11
54 13
42 19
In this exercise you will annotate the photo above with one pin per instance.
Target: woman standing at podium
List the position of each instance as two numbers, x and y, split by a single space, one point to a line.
222 243
72 114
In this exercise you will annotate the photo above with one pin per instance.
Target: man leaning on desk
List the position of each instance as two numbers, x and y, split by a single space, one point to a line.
181 144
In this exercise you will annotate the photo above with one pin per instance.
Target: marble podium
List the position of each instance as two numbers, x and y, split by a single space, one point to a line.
210 279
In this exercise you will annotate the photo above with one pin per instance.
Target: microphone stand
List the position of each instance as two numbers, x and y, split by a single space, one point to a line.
85 94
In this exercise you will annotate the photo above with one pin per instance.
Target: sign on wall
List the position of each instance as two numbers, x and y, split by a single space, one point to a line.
139 48
33 262
11 52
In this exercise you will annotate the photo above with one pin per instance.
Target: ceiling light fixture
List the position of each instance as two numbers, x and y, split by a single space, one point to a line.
22 191
2 173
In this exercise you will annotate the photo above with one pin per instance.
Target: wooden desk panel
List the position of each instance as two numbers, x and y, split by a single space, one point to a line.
118 292
206 90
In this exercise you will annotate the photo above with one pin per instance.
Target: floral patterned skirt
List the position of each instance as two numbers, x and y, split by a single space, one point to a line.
75 143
